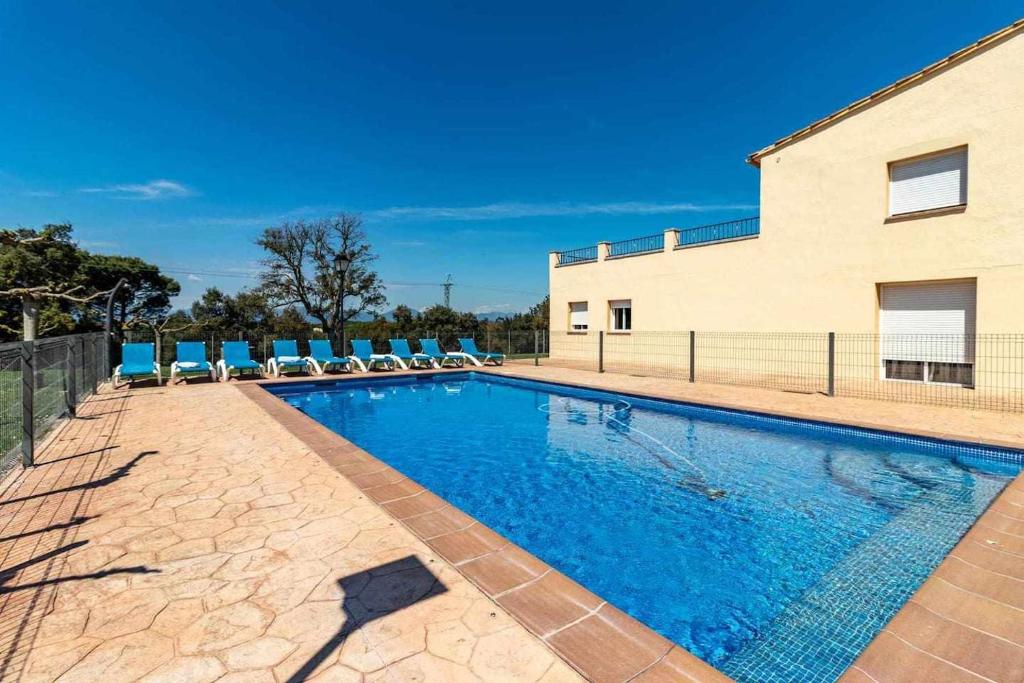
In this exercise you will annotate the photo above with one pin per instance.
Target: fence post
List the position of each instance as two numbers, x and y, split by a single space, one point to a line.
94 373
831 363
693 355
536 347
70 383
600 350
28 385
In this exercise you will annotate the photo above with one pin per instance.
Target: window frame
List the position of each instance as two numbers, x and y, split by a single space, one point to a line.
932 211
586 326
613 326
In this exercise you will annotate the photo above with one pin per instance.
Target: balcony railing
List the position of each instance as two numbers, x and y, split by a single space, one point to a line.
637 245
574 256
719 232
726 231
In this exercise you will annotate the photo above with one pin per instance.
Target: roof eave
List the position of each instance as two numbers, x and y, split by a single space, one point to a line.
949 61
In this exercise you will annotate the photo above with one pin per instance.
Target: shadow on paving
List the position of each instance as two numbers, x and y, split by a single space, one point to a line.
74 521
118 473
76 456
374 594
38 528
10 572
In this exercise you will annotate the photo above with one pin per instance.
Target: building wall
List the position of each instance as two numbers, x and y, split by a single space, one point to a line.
825 244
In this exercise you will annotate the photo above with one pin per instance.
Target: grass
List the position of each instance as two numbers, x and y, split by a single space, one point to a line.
49 404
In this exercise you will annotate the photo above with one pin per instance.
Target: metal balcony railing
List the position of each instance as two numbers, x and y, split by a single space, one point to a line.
719 232
637 245
574 256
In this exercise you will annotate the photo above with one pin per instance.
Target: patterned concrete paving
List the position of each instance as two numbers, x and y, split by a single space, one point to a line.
176 533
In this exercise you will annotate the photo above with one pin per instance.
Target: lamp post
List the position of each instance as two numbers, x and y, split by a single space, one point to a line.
342 261
108 324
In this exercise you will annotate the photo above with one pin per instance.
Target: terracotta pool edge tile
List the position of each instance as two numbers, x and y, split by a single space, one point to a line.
298 424
613 646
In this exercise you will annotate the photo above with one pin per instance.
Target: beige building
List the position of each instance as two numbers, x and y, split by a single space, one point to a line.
900 215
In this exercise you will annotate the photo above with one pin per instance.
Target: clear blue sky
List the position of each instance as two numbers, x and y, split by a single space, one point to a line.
473 137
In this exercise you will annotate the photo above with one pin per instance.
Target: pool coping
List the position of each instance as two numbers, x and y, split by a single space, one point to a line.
932 631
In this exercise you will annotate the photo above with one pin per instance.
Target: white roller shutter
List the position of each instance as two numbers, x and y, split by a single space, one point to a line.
934 182
928 322
578 315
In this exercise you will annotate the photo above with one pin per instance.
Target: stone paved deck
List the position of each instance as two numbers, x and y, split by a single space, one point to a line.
176 533
179 533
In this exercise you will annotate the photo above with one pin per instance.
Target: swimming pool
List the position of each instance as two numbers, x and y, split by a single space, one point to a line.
773 549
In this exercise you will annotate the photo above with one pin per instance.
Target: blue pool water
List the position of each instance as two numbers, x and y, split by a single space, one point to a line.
771 548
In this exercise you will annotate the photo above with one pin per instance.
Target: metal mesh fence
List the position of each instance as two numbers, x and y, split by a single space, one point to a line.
967 371
575 350
978 371
514 343
10 404
789 362
61 372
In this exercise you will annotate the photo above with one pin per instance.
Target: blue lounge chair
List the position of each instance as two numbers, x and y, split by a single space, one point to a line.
286 358
433 349
401 352
234 355
366 359
321 356
137 360
190 358
469 351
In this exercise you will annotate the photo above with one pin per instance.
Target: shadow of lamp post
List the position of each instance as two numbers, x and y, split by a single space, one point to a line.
372 594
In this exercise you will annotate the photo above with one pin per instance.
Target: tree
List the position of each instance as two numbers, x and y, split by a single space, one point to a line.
178 321
541 314
447 324
248 311
41 268
289 323
146 296
404 320
301 269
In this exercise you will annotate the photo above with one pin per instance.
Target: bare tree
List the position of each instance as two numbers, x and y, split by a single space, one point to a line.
302 268
176 322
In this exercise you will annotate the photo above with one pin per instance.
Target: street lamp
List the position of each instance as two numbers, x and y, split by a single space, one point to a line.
108 324
342 261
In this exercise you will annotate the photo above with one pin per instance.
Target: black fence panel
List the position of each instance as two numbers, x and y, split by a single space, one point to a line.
984 371
42 382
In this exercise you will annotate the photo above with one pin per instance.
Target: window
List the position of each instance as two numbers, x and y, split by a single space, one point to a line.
578 316
938 181
927 331
622 315
930 371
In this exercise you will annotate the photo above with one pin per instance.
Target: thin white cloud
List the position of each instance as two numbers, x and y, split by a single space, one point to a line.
504 210
39 193
192 277
154 189
481 212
